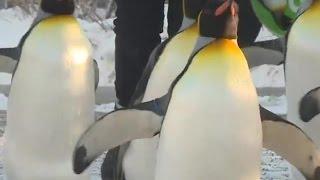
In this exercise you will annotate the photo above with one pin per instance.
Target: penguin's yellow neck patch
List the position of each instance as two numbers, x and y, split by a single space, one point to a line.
221 57
315 7
66 38
221 48
66 24
58 19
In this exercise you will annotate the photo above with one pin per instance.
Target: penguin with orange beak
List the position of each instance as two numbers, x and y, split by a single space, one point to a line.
197 138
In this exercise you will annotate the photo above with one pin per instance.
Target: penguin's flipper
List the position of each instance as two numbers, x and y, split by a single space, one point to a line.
265 52
310 105
118 127
13 53
277 44
290 142
143 82
96 74
8 59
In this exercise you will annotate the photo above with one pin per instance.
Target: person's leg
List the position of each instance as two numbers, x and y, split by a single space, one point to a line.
137 29
249 25
175 16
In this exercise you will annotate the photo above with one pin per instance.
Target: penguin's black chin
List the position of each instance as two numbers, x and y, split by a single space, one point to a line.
217 26
63 7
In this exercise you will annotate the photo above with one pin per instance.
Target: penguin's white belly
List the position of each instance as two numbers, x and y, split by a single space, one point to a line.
50 104
303 68
212 127
140 158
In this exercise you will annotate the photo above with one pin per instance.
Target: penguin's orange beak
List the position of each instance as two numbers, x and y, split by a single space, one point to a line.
223 7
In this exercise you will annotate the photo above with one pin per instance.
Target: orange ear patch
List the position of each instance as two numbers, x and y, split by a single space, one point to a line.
234 8
222 8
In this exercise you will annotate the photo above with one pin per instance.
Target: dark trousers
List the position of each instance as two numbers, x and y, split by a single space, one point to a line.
249 25
137 28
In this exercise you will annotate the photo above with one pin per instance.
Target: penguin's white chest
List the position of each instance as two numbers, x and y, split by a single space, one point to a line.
140 159
212 126
302 67
51 102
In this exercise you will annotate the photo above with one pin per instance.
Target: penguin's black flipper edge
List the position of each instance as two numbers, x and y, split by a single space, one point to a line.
15 52
310 105
116 128
277 44
290 142
96 74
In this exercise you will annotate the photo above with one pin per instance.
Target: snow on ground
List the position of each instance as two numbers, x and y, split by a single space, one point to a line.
3 102
275 104
14 23
17 22
5 78
103 44
268 76
265 35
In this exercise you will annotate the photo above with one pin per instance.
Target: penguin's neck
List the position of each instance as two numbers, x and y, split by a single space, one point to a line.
186 23
41 15
314 4
228 33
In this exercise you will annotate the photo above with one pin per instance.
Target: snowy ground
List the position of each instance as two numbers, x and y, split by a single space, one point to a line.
14 23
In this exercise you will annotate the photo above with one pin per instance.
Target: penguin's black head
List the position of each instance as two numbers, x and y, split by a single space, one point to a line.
192 8
219 19
58 6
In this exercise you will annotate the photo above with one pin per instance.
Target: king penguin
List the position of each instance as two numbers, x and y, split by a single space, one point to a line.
301 64
51 102
165 63
296 139
302 83
302 72
219 128
199 138
290 142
